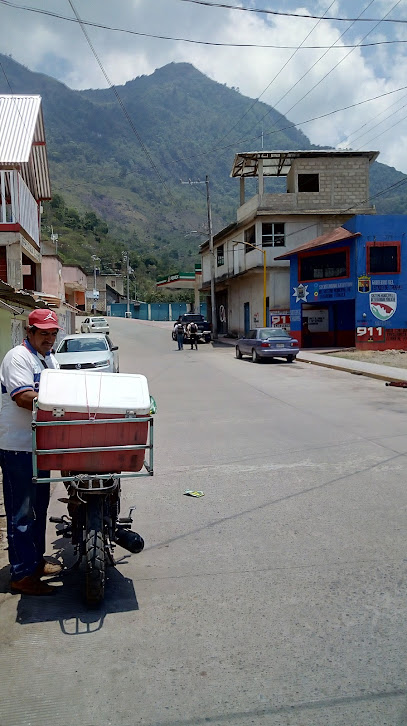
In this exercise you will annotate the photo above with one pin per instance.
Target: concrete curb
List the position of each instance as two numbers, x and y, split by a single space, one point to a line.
358 368
372 370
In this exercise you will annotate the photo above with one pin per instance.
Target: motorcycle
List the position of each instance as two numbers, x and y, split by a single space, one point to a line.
93 523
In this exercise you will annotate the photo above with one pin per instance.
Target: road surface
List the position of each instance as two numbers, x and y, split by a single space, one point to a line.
277 598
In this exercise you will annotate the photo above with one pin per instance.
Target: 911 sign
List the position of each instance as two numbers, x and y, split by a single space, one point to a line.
370 334
280 321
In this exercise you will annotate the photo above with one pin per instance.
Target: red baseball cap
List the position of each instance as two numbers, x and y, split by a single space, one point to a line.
44 319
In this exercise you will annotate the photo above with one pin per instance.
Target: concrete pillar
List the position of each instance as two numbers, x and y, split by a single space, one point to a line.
169 311
14 266
242 196
149 311
261 179
196 297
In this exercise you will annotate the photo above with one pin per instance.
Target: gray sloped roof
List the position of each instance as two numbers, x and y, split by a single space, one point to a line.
22 142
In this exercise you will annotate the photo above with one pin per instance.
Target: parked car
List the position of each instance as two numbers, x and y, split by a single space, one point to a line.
267 343
94 351
95 325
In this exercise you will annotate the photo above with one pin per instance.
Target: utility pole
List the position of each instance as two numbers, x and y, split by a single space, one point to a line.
94 258
128 285
126 256
211 256
212 264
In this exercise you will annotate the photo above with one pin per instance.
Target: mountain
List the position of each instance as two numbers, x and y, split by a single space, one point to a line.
177 125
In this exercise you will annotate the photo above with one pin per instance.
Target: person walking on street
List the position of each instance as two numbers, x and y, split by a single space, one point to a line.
193 335
180 335
26 503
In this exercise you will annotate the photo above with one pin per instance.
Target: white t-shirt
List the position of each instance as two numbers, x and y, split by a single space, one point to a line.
20 371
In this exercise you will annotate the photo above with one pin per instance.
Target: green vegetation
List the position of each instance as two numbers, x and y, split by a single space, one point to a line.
81 236
110 197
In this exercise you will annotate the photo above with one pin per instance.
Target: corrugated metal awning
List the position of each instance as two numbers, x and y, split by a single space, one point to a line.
339 234
22 142
278 163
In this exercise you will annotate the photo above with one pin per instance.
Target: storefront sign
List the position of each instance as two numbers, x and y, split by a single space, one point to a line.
370 334
318 320
383 304
280 318
332 290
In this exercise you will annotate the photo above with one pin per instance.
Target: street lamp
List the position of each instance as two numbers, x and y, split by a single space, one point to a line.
260 249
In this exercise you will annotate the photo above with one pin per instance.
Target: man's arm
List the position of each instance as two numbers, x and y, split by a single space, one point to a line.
25 399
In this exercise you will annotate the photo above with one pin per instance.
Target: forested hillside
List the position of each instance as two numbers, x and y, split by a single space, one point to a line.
183 126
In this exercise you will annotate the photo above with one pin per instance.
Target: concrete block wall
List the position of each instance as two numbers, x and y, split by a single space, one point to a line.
343 182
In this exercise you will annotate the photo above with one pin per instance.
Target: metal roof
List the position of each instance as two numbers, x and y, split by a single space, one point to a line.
22 142
339 234
278 163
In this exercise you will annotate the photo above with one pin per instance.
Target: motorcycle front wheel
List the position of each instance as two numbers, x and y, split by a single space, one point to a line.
95 551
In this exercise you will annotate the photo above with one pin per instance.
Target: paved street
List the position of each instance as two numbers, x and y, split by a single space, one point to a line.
278 598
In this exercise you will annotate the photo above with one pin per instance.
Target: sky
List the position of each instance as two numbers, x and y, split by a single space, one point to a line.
299 81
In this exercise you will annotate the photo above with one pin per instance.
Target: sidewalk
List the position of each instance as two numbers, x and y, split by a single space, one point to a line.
373 370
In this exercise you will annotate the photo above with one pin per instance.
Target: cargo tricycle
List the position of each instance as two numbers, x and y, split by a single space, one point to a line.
96 429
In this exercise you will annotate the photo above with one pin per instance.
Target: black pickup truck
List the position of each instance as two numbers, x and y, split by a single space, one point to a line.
204 328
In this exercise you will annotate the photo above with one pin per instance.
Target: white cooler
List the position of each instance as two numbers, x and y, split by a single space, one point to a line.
89 396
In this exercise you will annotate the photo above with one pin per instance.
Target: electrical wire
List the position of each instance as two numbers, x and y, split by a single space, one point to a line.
321 57
101 26
330 71
375 126
121 104
288 15
341 61
373 118
273 131
383 132
256 100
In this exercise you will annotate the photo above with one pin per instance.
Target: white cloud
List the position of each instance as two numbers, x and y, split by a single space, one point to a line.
59 48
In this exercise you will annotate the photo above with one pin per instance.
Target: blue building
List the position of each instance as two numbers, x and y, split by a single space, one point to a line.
349 286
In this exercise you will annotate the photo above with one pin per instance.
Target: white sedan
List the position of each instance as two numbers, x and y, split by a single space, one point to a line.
95 325
92 351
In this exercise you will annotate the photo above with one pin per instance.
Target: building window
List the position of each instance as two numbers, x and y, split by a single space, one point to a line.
383 257
250 238
322 266
273 234
113 283
220 256
308 182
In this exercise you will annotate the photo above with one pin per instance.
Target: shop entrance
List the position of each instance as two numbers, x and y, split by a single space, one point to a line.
328 326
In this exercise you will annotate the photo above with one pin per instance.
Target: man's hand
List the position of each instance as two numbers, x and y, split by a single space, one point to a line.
25 399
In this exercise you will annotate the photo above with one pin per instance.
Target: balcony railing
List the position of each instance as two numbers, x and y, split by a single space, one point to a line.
18 206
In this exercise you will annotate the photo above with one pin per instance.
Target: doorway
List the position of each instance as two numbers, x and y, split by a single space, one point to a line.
246 317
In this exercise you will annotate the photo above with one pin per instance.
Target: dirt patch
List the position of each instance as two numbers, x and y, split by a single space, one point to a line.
395 358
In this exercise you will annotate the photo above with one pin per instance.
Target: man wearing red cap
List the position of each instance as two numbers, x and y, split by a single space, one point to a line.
25 504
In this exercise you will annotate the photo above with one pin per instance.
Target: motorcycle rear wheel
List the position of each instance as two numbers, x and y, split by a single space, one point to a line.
95 552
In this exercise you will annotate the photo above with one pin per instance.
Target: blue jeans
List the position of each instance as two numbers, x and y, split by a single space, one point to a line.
180 339
26 507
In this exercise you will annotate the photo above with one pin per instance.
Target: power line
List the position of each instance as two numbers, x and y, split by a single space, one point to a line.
313 65
120 102
113 29
271 82
288 15
323 55
373 118
375 126
342 59
273 131
384 132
